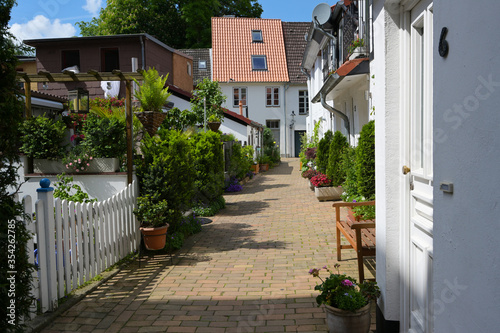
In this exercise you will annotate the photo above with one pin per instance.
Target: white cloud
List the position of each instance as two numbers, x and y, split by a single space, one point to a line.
93 6
42 27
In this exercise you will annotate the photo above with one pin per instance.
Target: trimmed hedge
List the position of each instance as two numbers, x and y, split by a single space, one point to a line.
323 152
365 161
335 170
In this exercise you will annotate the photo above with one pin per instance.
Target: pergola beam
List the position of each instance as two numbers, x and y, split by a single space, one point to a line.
92 75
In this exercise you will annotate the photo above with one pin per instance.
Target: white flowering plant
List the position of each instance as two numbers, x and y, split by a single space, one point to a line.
342 291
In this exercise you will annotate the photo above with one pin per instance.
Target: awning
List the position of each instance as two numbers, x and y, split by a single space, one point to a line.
344 77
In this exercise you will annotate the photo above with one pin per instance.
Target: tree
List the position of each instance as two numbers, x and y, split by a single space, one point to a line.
159 18
15 287
214 99
177 23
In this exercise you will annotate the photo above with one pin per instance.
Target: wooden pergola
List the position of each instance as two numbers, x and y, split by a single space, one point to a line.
91 75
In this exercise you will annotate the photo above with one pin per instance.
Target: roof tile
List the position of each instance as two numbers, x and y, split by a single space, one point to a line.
233 47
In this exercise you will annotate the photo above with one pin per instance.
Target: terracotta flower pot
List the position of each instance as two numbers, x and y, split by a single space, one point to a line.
342 321
155 238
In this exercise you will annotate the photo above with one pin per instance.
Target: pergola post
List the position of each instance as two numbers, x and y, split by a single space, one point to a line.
128 106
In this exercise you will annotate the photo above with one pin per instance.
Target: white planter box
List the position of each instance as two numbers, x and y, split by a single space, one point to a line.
48 166
103 165
97 165
328 193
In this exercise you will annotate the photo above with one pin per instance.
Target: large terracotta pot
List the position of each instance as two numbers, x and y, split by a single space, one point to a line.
155 238
342 321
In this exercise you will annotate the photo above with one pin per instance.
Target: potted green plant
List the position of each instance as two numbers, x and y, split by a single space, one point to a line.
42 139
264 162
347 304
214 122
152 215
152 94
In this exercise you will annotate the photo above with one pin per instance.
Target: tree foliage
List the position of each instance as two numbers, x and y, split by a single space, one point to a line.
178 23
214 99
14 287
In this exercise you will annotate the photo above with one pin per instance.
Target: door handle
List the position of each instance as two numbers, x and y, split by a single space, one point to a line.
406 170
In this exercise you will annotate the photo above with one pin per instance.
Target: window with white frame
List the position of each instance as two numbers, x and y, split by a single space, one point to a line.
272 96
239 94
303 102
273 124
257 36
259 63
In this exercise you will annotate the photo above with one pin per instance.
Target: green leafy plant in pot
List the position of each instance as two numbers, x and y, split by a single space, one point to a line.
152 94
347 303
153 215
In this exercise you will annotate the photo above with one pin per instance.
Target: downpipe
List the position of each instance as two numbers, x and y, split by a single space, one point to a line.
337 113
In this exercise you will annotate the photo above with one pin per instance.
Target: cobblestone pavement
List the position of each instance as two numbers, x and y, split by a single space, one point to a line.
247 271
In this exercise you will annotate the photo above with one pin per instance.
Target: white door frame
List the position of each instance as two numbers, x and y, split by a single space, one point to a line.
405 131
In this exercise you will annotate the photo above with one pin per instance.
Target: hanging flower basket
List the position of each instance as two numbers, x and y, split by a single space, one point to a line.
151 120
213 125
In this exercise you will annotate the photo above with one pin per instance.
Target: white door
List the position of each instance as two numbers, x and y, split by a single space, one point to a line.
417 170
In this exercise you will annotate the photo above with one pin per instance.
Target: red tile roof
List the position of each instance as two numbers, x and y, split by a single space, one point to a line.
233 47
349 66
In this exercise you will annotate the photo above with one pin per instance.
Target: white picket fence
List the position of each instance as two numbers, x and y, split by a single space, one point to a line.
74 242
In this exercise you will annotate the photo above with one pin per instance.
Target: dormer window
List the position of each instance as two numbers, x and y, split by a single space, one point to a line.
202 64
257 36
259 63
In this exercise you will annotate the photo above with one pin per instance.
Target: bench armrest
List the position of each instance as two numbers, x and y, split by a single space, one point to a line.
363 225
353 204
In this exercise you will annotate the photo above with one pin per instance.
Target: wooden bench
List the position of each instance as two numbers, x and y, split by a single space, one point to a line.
359 234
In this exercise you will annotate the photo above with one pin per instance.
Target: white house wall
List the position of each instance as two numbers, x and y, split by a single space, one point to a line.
180 103
238 130
258 112
384 88
100 187
316 111
467 154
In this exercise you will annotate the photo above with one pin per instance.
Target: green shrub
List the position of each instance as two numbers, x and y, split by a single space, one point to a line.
104 137
323 152
365 161
239 165
204 209
43 137
167 171
270 148
350 185
66 190
11 211
208 161
334 170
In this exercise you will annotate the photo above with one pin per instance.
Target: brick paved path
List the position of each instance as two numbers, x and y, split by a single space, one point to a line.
245 272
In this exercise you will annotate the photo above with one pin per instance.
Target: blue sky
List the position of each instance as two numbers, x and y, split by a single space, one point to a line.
32 19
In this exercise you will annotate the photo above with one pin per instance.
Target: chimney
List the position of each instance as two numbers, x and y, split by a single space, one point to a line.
241 107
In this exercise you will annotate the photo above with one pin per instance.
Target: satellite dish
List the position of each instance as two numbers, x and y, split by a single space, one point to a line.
322 13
